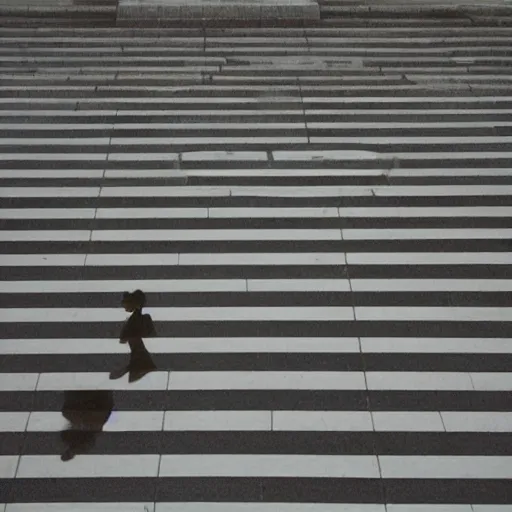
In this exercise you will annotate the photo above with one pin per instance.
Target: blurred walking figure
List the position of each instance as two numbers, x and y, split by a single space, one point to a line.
138 326
87 413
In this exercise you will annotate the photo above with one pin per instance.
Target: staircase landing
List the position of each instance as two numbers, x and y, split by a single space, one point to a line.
146 10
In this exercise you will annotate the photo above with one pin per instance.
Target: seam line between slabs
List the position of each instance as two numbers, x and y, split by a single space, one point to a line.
472 382
442 420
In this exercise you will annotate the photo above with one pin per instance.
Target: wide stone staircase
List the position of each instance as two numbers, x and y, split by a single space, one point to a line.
320 215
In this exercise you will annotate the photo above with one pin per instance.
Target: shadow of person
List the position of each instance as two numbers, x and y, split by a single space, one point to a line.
135 328
87 413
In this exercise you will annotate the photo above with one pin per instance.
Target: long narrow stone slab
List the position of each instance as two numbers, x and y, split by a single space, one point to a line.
172 10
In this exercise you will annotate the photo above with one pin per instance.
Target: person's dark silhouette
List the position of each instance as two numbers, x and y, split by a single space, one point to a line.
135 328
87 413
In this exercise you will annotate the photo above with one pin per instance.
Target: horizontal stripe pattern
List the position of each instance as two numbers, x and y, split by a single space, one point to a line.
256 314
300 421
290 191
298 466
324 241
251 213
258 285
249 345
212 380
143 235
248 259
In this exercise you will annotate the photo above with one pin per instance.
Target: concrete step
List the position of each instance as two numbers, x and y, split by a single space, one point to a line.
69 13
251 35
254 13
